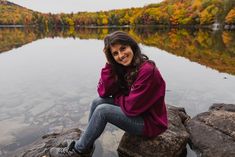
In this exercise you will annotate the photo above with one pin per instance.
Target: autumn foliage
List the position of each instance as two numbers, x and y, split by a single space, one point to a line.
230 18
168 12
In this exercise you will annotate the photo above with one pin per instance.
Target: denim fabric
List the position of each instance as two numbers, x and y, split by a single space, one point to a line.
104 111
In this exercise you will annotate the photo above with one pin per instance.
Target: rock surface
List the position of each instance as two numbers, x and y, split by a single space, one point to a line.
41 148
212 133
171 143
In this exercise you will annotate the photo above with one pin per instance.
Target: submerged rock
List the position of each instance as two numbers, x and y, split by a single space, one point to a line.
172 143
212 133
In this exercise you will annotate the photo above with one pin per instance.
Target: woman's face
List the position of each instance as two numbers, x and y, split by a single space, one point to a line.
122 54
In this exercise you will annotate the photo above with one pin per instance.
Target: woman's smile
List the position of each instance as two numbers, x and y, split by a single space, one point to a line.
122 54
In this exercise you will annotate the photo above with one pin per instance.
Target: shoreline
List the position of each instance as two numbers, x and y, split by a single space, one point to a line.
213 27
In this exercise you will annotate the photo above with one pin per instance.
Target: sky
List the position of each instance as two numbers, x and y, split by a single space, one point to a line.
68 6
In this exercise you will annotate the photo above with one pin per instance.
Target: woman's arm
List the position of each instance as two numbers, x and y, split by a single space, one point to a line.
107 85
146 91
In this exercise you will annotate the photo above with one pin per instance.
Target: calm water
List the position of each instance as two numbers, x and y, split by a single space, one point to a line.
48 84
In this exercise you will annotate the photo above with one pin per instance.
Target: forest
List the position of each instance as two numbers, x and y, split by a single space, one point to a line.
168 12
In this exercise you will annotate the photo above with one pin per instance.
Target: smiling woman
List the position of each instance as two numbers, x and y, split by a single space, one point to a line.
131 96
55 6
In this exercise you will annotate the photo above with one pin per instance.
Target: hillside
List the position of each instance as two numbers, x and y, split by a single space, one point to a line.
13 14
185 12
168 12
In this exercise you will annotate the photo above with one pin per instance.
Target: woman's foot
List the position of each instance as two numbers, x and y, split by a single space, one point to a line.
69 151
66 143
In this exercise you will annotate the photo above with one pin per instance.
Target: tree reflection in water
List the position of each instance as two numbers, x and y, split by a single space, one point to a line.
212 49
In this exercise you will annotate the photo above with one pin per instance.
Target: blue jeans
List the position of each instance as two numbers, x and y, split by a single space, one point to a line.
103 111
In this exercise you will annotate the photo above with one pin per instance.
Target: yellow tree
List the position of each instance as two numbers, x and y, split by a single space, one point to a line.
208 15
230 18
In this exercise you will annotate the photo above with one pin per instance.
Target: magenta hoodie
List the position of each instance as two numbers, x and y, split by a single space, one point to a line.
146 97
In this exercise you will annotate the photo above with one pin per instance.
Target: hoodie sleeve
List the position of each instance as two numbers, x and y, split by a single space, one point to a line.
146 91
107 85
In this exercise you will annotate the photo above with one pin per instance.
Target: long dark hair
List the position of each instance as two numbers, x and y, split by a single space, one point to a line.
125 78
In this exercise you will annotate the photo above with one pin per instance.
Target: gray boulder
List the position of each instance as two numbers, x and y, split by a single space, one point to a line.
212 133
172 143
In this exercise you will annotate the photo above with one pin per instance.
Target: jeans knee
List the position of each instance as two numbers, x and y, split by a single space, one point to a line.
96 102
103 109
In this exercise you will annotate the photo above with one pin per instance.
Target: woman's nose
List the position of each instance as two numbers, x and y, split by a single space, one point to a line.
121 55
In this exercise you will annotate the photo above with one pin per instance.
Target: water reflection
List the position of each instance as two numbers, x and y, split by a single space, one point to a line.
47 85
212 49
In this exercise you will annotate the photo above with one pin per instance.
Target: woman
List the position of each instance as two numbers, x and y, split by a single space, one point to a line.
131 91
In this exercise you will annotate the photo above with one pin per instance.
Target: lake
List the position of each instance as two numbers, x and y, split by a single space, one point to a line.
48 78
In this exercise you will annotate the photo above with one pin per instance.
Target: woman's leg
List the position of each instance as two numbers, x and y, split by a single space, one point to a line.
96 102
103 114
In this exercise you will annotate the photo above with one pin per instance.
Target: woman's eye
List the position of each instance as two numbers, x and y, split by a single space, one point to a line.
123 48
115 53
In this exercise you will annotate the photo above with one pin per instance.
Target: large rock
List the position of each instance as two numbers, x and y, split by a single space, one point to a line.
171 143
212 133
41 148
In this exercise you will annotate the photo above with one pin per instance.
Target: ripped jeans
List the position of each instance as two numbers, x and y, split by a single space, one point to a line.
103 111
